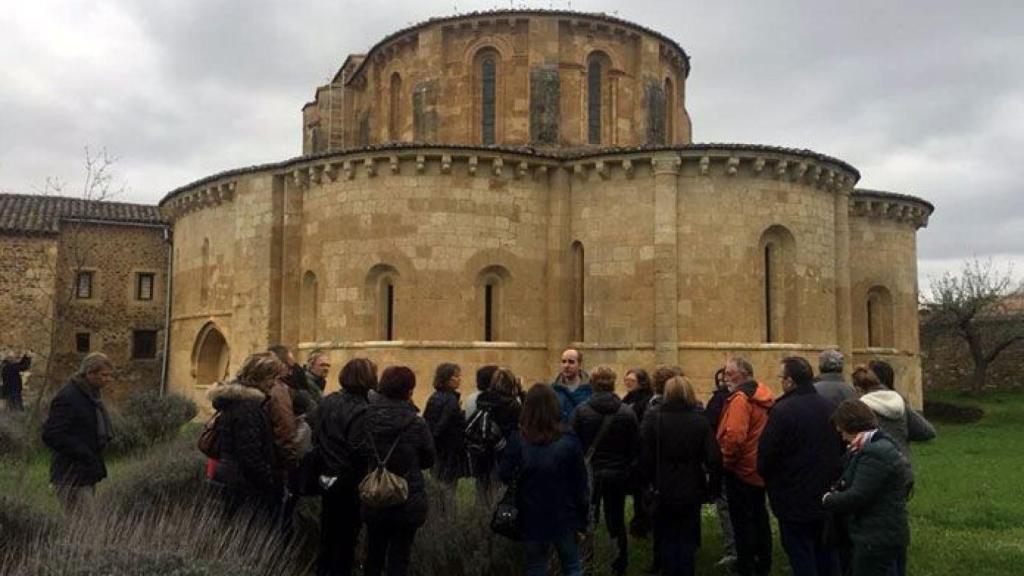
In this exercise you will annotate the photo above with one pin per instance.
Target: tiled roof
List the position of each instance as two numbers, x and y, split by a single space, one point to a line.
38 214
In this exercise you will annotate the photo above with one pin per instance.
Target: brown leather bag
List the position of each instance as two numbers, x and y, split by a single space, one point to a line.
208 442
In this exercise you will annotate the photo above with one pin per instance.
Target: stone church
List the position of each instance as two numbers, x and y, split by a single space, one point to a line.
493 187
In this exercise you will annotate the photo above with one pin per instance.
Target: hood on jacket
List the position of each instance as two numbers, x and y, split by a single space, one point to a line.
887 404
605 403
757 393
226 394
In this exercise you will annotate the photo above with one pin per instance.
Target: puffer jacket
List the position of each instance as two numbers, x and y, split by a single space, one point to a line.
447 424
873 497
616 455
743 420
245 441
899 421
387 420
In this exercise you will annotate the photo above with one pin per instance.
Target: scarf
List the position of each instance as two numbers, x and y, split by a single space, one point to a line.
104 430
863 438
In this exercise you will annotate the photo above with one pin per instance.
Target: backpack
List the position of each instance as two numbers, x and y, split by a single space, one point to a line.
381 487
484 437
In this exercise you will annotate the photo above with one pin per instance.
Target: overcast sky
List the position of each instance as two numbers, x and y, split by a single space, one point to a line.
923 97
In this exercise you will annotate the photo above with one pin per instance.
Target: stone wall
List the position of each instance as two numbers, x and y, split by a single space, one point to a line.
27 298
115 254
946 361
424 85
674 270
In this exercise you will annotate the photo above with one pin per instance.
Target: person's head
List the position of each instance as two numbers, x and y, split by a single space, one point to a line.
864 380
636 379
795 372
883 370
97 370
259 369
679 389
738 371
505 382
484 375
720 380
603 379
284 355
358 376
318 363
447 376
853 417
830 361
662 374
572 363
541 419
397 383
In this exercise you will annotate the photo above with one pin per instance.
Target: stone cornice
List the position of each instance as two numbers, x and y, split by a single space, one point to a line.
209 194
896 207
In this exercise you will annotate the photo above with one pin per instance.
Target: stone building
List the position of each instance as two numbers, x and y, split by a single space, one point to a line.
492 187
82 276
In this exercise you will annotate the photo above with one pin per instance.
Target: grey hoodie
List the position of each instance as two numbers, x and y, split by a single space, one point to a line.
898 420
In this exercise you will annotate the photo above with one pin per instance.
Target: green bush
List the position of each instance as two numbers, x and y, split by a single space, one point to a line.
170 473
146 419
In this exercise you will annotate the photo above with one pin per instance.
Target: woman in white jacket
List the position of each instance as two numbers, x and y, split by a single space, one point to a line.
895 416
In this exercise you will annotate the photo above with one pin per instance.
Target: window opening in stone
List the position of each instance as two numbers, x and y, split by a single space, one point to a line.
670 106
143 344
388 312
488 76
212 356
308 312
83 285
489 312
871 321
144 286
82 344
395 109
204 290
594 100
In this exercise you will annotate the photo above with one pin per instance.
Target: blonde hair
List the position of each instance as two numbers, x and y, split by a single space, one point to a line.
258 368
603 379
679 389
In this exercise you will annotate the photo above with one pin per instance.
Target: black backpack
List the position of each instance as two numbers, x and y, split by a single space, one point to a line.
484 437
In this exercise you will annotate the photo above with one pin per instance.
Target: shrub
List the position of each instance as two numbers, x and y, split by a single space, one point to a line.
171 473
17 434
20 524
147 419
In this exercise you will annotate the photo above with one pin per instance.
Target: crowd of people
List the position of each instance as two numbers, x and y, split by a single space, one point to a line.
830 458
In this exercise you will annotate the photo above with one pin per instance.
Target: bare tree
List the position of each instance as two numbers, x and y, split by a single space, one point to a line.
974 307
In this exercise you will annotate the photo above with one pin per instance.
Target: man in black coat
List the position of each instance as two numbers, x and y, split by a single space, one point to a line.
799 457
11 378
608 430
76 430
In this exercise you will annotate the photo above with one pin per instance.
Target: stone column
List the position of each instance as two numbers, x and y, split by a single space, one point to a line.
666 257
558 289
844 320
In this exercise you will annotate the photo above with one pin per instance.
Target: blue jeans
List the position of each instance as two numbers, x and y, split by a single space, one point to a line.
565 547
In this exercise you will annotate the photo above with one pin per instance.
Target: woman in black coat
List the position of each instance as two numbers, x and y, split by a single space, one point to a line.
243 473
610 436
678 454
500 403
392 421
638 398
447 425
342 466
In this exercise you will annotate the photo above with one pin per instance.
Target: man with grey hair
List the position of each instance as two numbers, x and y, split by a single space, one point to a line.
830 383
317 366
76 431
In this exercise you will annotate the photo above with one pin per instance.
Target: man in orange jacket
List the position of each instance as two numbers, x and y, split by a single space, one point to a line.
739 430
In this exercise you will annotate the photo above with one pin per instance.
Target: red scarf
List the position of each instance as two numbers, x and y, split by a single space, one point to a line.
861 439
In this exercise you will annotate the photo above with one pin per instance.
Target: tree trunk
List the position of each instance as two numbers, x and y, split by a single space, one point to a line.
974 344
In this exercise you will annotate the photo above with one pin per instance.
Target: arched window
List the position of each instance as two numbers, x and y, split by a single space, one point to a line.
491 282
670 107
382 295
204 279
387 308
395 108
577 291
879 318
777 255
488 97
210 356
594 76
308 308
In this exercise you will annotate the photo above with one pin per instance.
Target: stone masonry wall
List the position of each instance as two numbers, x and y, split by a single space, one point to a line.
27 298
